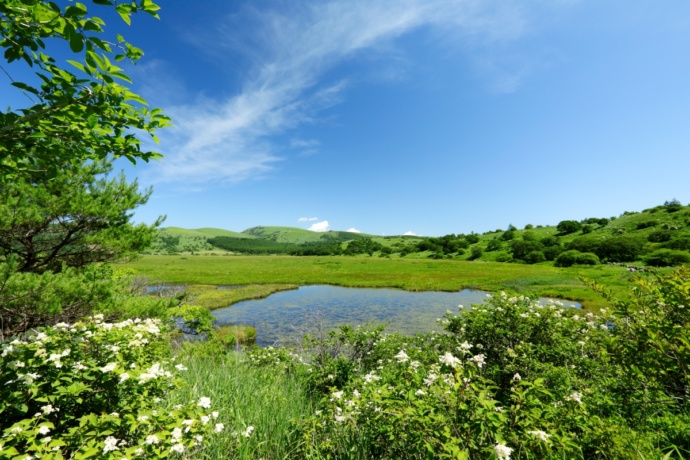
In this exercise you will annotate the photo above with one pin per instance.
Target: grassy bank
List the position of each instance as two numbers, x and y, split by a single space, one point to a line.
262 275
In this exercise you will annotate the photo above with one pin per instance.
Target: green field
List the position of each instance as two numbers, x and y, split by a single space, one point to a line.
409 274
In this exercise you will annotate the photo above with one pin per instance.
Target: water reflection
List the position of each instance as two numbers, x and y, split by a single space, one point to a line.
285 316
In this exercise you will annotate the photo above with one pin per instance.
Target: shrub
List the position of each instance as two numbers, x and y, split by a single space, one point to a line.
95 389
520 248
681 242
619 249
493 245
507 236
476 252
472 238
587 229
551 252
659 236
565 227
529 227
587 258
667 258
567 258
647 224
534 257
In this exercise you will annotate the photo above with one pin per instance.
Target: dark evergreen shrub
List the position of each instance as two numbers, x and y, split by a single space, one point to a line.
619 249
534 257
566 227
681 242
494 245
667 258
551 252
647 224
659 236
567 258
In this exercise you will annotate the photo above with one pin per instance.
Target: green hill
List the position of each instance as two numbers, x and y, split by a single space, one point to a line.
293 235
658 236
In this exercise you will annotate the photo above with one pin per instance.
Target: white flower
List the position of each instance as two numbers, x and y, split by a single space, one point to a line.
214 414
430 379
176 434
47 409
339 418
449 360
337 394
177 448
502 451
576 396
402 357
108 367
419 392
204 402
219 427
517 377
142 418
180 367
248 432
152 439
124 376
205 419
43 430
540 434
110 444
479 359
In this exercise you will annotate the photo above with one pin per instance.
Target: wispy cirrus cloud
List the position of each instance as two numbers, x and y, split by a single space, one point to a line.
290 52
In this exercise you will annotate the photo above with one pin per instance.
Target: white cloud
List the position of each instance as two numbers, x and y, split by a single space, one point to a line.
410 234
353 230
320 226
307 219
291 51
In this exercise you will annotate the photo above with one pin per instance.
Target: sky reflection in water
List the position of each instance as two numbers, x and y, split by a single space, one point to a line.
285 316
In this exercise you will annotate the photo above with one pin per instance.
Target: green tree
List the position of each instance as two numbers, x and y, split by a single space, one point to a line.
565 227
79 217
70 117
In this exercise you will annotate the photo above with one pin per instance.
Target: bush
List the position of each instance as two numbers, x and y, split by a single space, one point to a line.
659 236
551 252
96 389
493 245
567 258
587 258
681 242
566 227
667 258
587 229
476 252
508 235
619 249
647 224
534 257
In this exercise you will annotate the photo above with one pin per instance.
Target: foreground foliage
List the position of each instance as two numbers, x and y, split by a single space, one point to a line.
95 389
71 117
509 379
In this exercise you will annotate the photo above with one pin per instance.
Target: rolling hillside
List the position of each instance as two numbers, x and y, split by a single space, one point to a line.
657 236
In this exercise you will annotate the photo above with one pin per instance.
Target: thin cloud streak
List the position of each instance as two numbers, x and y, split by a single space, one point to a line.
231 141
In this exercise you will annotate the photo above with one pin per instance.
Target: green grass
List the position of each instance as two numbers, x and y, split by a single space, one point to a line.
245 396
285 272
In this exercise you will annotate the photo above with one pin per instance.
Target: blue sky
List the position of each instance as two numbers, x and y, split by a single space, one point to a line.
422 116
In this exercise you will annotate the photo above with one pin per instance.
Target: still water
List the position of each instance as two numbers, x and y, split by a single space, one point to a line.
286 316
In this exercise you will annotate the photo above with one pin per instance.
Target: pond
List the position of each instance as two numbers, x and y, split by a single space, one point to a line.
286 316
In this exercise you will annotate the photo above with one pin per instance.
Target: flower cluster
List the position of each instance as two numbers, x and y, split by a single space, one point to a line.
113 379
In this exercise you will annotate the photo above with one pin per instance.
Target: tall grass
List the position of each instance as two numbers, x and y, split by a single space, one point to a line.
264 398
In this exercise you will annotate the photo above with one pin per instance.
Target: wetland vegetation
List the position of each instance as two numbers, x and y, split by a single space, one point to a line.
90 364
